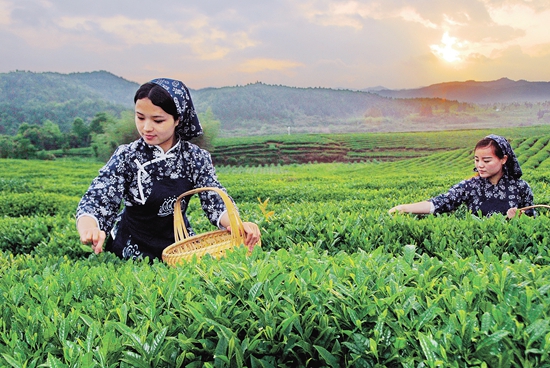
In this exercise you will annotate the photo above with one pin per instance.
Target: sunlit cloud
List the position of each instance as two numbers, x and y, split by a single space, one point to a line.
449 49
534 25
510 25
411 15
452 21
341 14
353 14
258 65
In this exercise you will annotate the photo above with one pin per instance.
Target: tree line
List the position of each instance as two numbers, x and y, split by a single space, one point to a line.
103 134
35 140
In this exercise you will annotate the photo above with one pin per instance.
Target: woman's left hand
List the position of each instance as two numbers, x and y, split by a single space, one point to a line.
511 213
251 234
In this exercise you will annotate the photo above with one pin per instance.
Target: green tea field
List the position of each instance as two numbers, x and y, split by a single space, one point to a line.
338 282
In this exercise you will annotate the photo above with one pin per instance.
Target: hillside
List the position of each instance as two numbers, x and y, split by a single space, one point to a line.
261 109
503 90
34 97
269 109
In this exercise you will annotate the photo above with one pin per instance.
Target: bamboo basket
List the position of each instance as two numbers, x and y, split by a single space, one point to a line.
215 243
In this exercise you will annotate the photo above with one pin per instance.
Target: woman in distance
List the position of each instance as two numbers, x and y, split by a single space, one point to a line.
148 175
496 189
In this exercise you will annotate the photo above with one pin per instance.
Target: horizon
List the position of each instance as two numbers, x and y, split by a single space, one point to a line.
334 44
366 89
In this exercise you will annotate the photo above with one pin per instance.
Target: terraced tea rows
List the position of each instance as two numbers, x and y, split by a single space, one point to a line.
254 151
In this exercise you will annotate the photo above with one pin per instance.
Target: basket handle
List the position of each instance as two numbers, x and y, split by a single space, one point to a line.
237 229
522 210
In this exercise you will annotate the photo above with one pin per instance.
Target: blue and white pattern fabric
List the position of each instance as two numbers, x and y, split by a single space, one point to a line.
479 194
189 126
136 190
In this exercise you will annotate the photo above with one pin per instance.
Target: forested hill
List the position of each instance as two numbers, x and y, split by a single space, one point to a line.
256 109
36 97
272 109
251 109
23 87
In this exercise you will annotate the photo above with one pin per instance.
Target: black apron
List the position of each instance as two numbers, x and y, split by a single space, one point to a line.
145 230
494 205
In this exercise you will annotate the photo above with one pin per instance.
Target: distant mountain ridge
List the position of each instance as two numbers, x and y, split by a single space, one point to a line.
503 90
263 109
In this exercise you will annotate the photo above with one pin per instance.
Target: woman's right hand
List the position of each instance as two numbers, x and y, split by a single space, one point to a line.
419 208
90 234
94 237
398 209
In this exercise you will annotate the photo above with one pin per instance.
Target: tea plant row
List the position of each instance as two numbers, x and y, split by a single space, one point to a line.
338 281
293 307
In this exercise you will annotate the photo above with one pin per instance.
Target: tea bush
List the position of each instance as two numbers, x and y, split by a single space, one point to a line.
36 203
291 307
338 281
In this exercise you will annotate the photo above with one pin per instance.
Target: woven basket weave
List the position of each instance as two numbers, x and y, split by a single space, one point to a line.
214 243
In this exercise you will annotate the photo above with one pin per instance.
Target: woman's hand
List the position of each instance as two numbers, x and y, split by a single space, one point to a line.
93 237
419 208
511 213
252 234
398 209
90 234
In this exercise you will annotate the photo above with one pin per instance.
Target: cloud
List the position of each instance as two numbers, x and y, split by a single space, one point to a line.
338 43
410 14
258 65
531 20
355 14
130 31
200 34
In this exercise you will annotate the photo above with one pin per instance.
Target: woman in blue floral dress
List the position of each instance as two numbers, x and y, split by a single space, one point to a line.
496 189
133 197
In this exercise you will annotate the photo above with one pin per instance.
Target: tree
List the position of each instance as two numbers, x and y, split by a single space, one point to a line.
98 123
116 132
52 138
82 133
33 134
23 148
6 146
211 129
45 137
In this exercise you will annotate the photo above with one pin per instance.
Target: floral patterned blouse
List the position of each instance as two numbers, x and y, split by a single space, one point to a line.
479 194
129 179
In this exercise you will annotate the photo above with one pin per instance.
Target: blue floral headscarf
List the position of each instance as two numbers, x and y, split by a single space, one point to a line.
511 167
189 126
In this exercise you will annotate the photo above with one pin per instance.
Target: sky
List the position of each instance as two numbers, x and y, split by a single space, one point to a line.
397 44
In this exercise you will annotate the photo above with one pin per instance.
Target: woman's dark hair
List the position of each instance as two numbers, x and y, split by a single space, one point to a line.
159 97
488 142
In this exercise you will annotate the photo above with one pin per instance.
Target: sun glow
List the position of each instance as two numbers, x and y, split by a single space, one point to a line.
447 49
